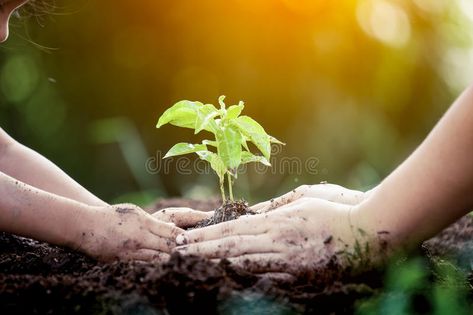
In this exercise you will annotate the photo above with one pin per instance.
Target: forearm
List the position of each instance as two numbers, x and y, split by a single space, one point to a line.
30 212
432 188
30 167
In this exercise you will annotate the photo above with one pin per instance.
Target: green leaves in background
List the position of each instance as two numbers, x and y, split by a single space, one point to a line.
441 287
231 132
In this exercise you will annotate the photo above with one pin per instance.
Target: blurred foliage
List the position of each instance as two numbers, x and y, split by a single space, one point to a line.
415 287
355 84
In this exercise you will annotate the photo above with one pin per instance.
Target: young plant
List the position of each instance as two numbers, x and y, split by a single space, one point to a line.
231 132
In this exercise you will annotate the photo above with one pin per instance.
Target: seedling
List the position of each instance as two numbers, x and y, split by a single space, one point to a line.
231 132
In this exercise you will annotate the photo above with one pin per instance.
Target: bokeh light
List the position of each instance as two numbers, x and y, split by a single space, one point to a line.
384 21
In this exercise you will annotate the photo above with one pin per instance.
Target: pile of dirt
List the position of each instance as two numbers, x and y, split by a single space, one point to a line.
226 212
37 278
455 243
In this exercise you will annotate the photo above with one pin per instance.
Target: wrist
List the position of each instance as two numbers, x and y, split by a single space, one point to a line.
395 222
79 229
371 238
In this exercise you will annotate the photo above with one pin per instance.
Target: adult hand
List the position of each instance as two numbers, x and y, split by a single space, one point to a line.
125 232
306 234
329 192
181 216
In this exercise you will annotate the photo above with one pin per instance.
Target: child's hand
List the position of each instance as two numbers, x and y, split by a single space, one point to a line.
181 216
306 234
125 232
329 192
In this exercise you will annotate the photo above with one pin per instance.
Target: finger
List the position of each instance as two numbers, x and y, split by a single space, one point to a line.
275 202
303 208
154 242
329 192
182 217
245 225
146 255
261 263
231 246
281 200
335 193
259 206
163 229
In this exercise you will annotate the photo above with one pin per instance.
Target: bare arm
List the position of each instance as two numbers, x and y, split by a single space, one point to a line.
28 166
30 212
109 232
432 188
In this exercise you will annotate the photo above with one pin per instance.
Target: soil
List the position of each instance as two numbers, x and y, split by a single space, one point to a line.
226 212
37 278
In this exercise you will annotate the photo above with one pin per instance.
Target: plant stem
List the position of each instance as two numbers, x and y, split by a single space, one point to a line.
222 191
229 178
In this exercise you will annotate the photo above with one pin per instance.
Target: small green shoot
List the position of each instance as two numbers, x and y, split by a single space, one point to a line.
231 132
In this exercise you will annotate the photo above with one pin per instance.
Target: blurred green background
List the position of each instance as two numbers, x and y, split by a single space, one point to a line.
350 86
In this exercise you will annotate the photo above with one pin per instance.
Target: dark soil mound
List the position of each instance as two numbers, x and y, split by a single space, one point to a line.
454 243
226 212
36 278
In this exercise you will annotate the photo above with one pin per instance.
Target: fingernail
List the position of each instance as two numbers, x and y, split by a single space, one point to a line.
181 239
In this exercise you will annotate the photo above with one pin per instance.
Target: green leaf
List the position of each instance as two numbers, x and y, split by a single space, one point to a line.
274 140
204 120
255 133
209 142
248 157
185 148
216 163
221 102
229 141
244 143
234 111
181 114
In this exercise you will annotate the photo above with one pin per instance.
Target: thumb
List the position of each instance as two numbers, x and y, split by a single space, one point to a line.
182 217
